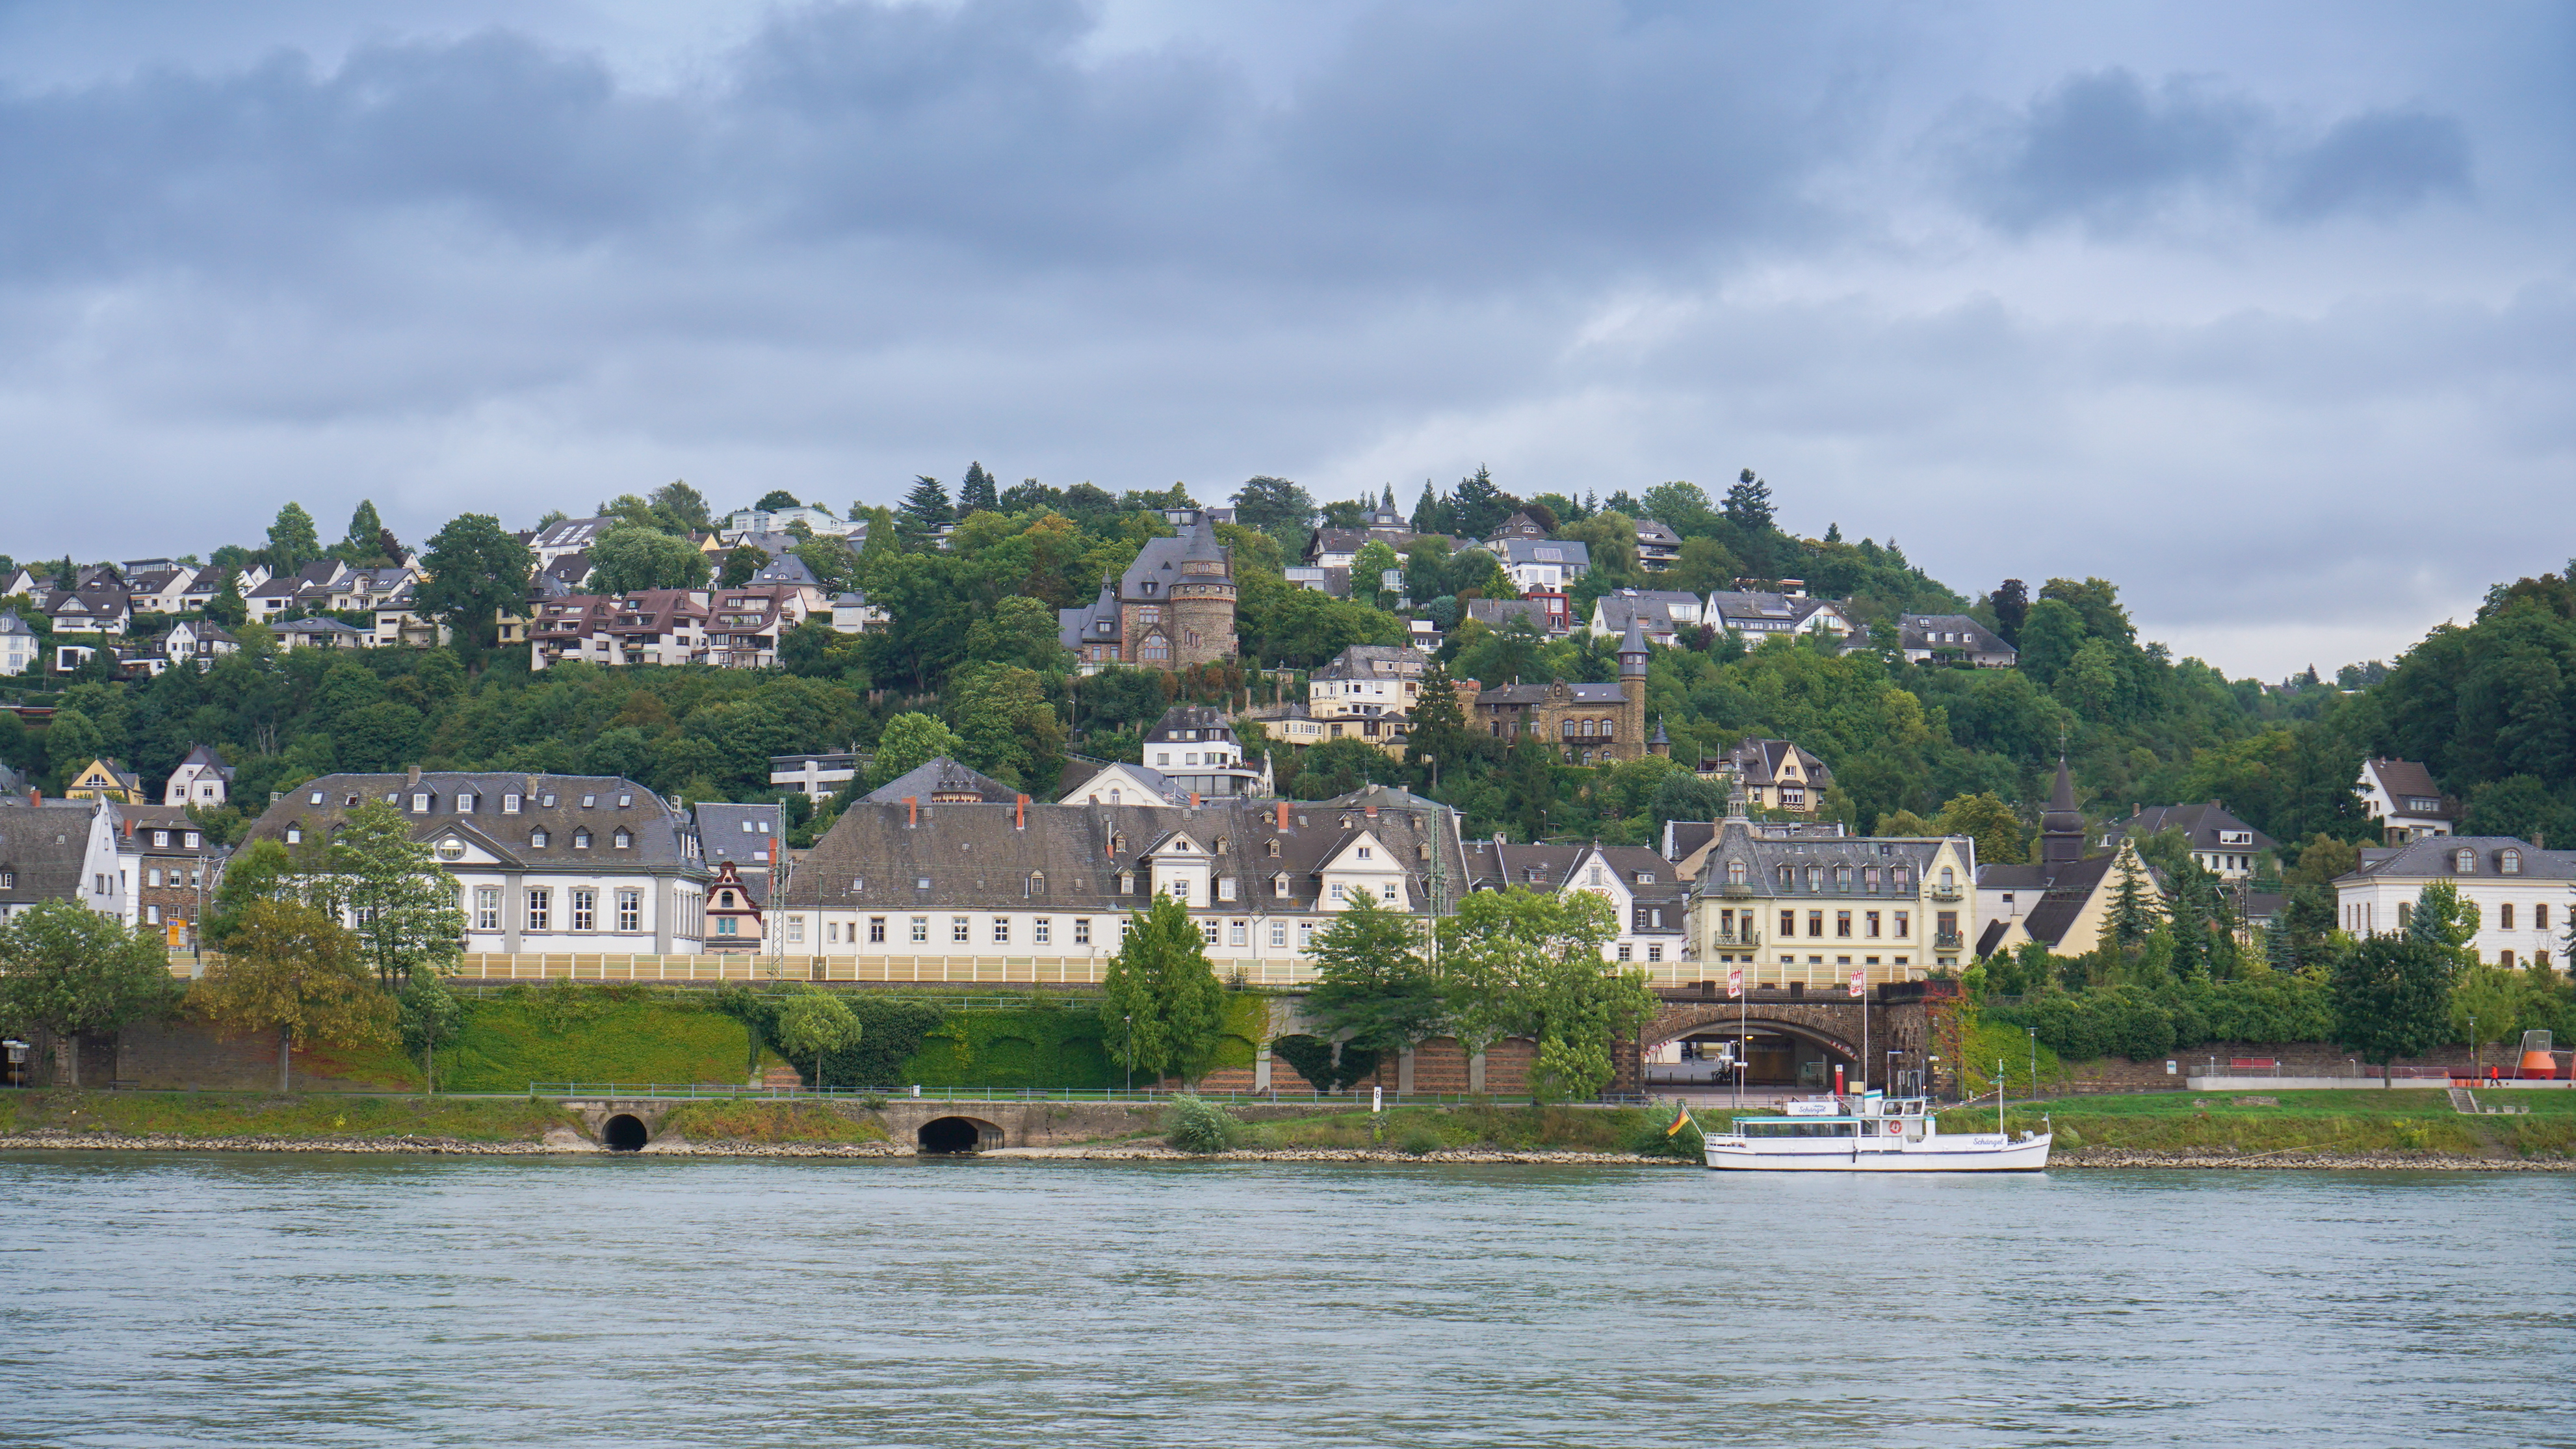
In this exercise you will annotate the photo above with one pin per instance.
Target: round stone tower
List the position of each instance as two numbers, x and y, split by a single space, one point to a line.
1203 598
1632 690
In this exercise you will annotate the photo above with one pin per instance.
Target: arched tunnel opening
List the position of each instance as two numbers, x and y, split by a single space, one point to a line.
956 1134
623 1133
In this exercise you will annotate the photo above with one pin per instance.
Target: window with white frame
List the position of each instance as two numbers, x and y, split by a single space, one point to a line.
1041 931
630 910
541 906
1278 933
487 908
585 909
1238 933
958 929
1081 931
1001 930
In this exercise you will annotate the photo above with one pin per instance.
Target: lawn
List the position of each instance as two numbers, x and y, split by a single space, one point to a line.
236 1114
2357 1121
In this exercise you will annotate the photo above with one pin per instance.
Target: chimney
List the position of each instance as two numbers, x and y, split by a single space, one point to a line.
129 829
911 811
1020 812
37 797
415 775
1194 799
1369 810
1283 815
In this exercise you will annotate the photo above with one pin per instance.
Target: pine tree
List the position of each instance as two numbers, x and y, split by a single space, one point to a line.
977 492
1748 504
1426 514
364 526
925 511
1477 507
2133 907
291 540
1438 723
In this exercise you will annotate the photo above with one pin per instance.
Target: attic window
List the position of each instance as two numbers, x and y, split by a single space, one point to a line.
581 840
2464 861
858 883
625 800
622 840
353 800
1279 884
547 801
509 804
1126 883
294 835
1346 822
420 804
921 883
1117 844
1037 882
317 797
589 800
537 838
1645 877
465 803
1274 849
1219 847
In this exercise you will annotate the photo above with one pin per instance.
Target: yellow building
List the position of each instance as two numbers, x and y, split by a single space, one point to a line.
106 780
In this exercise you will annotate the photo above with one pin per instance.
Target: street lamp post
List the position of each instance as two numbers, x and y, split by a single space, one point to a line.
1131 1052
2034 1060
2473 1048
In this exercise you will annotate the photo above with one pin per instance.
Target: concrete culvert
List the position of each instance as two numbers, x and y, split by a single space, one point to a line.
957 1134
623 1133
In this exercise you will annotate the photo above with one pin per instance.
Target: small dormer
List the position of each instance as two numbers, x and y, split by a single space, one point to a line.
2464 861
2508 861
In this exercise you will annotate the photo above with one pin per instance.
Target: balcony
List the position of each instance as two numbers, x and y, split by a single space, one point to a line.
1943 892
1946 940
1735 890
1740 941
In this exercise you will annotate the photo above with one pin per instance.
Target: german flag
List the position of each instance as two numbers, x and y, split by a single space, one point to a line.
1684 1120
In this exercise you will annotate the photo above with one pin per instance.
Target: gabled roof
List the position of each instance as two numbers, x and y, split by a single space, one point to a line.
657 829
732 833
2404 780
1543 551
2201 824
1934 632
941 776
1764 762
43 852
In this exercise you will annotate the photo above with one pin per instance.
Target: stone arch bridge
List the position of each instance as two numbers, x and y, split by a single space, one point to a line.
1913 1018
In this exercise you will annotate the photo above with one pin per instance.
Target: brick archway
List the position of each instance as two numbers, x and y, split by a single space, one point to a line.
1675 1022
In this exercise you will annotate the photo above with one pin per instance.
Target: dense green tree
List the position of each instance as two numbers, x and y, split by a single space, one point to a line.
476 569
2011 605
740 564
295 970
909 742
1682 507
1162 1012
776 500
2051 636
977 492
1373 988
1748 504
364 530
2392 997
228 608
813 1025
1985 818
682 507
404 903
292 542
2446 921
1019 631
1477 507
924 512
629 560
68 970
1517 963
1005 724
429 1014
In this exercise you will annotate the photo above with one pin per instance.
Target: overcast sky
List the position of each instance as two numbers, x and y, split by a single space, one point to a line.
2264 312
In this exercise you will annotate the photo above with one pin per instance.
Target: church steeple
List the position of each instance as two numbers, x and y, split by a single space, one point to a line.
2061 829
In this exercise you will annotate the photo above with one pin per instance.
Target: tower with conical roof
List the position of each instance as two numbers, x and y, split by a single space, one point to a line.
1633 651
2061 829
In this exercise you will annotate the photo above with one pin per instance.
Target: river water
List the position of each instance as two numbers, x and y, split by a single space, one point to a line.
369 1300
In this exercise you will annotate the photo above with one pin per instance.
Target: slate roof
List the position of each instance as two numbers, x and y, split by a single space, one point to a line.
1760 612
1651 608
1493 865
1533 693
1074 626
973 857
732 832
1765 861
2408 779
1495 613
1761 761
1924 631
1375 661
205 755
787 568
1160 560
941 776
660 832
2201 824
1210 722
1079 772
42 850
1566 551
2063 889
10 623
2433 856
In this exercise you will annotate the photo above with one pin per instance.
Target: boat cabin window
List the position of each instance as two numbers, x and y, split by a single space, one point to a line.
1791 1127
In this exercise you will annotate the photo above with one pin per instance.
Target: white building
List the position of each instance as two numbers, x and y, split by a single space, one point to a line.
63 851
1536 564
202 780
562 863
19 646
2521 893
734 526
2401 796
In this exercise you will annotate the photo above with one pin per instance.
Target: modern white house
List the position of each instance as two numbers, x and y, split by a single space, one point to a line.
742 522
19 647
563 863
2522 893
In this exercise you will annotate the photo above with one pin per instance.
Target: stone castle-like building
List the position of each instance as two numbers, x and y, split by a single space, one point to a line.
1590 723
1173 608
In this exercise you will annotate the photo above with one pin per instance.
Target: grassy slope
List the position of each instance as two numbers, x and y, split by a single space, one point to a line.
758 1121
1505 1128
2354 1121
508 1043
232 1114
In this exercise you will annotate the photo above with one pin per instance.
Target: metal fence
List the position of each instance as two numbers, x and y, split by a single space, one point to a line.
987 1095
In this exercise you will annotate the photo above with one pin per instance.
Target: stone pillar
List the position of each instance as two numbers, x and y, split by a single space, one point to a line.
1261 1068
513 910
663 896
1476 1073
1404 1073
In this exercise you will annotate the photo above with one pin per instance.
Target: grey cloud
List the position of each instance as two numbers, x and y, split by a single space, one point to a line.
2380 163
2105 150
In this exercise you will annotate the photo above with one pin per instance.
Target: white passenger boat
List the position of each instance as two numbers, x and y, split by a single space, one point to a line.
1870 1133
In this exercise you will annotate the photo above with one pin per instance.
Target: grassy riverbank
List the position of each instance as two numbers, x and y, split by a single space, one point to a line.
317 1118
2353 1122
1487 1127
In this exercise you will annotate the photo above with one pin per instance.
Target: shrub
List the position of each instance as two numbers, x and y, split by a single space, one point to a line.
1421 1142
1654 1139
1199 1125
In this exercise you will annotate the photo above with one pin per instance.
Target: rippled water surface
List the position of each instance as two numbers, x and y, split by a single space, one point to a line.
326 1300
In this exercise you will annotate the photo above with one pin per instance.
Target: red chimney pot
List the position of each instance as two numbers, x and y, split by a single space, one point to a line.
911 811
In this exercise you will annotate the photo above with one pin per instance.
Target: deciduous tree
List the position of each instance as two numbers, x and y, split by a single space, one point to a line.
2392 997
628 559
476 569
1164 1012
393 887
66 969
290 968
909 742
1373 988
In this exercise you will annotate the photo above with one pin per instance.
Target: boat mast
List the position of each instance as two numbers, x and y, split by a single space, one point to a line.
1999 1094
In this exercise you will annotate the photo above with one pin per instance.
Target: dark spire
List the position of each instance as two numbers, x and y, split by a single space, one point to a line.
2061 830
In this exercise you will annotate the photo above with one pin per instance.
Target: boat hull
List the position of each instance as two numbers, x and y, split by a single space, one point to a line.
1943 1153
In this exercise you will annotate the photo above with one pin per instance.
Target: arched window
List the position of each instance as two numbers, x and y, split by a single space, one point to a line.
1037 882
2464 861
1113 797
1947 879
1219 847
1609 728
1117 844
2509 861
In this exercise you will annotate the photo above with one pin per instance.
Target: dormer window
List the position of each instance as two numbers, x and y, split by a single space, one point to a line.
537 839
1118 846
465 803
1219 847
1645 877
1126 883
420 804
509 804
622 840
1037 882
294 835
1274 849
2464 861
625 800
1735 872
581 840
2509 861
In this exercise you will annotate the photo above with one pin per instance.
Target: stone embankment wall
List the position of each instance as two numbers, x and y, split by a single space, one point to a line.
185 1056
2297 1059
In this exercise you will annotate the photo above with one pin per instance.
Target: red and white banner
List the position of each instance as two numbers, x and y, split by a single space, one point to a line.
1859 986
1734 983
